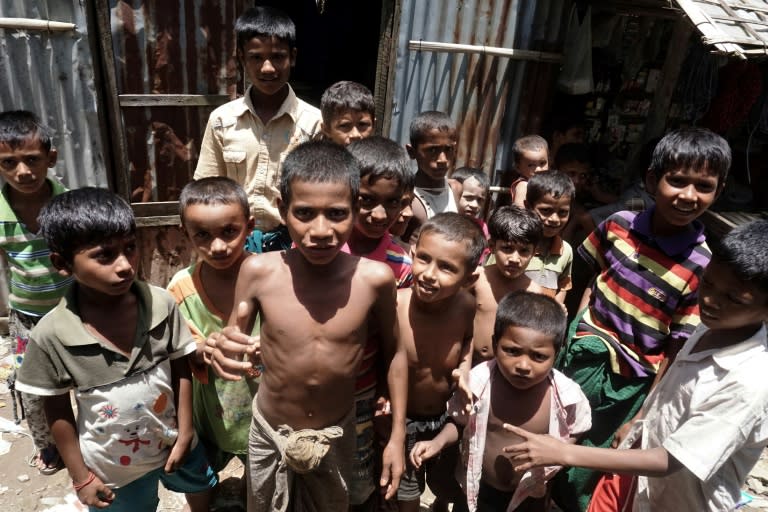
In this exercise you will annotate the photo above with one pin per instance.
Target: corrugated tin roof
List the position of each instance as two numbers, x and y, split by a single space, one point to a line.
734 27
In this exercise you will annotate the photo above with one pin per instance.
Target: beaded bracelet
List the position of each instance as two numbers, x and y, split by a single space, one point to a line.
91 478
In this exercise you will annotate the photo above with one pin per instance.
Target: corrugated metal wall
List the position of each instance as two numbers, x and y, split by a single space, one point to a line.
492 99
52 75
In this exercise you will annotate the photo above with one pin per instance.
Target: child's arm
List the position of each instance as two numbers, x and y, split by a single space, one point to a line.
543 450
181 380
425 450
461 374
90 489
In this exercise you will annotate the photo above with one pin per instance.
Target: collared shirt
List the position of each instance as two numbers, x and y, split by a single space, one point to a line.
239 145
35 285
552 269
570 415
126 408
710 412
646 288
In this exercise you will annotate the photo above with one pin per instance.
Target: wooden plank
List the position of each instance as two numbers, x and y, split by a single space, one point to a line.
156 209
386 63
168 220
172 100
163 250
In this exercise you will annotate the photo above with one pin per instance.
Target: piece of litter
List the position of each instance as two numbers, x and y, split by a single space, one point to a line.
3 489
23 478
5 446
9 426
51 501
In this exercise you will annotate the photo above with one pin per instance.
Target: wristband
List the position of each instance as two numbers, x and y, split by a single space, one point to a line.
91 478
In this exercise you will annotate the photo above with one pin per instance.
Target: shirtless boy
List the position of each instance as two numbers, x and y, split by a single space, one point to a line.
435 317
316 305
515 233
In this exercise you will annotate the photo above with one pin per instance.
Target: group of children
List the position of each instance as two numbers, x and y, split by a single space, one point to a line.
386 337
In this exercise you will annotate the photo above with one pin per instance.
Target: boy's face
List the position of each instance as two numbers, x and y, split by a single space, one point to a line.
579 172
107 268
404 217
26 166
440 268
348 126
319 218
729 303
554 213
682 195
532 161
218 232
512 257
381 202
472 198
267 62
435 155
524 356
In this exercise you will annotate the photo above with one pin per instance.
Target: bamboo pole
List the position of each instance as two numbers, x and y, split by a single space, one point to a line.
35 24
432 46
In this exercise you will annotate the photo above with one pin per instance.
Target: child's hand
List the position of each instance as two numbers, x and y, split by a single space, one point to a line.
232 351
462 384
179 452
95 493
622 433
423 451
535 450
393 467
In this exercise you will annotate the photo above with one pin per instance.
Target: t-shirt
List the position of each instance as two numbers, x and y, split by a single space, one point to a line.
552 270
126 418
221 409
35 285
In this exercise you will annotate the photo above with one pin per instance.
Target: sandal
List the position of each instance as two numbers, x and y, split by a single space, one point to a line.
47 461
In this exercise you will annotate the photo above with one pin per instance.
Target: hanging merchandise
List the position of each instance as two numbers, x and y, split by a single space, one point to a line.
741 83
576 73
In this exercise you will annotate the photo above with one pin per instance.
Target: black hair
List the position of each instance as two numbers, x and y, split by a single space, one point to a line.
745 250
319 162
553 182
264 22
343 96
692 148
213 190
428 121
533 311
561 123
380 157
514 224
458 228
464 173
528 143
82 218
573 152
20 126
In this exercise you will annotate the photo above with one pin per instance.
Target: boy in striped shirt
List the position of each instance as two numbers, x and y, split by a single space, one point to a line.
642 304
26 153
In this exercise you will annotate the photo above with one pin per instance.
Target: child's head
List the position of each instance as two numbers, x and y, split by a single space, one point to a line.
348 112
475 187
734 289
531 154
575 160
514 234
445 256
91 234
216 218
567 129
688 171
385 178
433 144
549 195
527 335
266 44
404 217
25 151
319 190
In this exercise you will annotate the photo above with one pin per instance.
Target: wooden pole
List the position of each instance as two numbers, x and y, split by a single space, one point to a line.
510 53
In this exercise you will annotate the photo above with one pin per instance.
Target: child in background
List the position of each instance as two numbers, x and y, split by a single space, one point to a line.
642 305
575 161
26 154
399 227
531 155
122 345
348 113
385 179
216 219
433 145
518 387
550 194
316 305
248 138
704 424
436 321
475 187
515 233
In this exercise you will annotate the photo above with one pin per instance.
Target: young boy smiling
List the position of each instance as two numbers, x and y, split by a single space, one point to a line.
316 306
